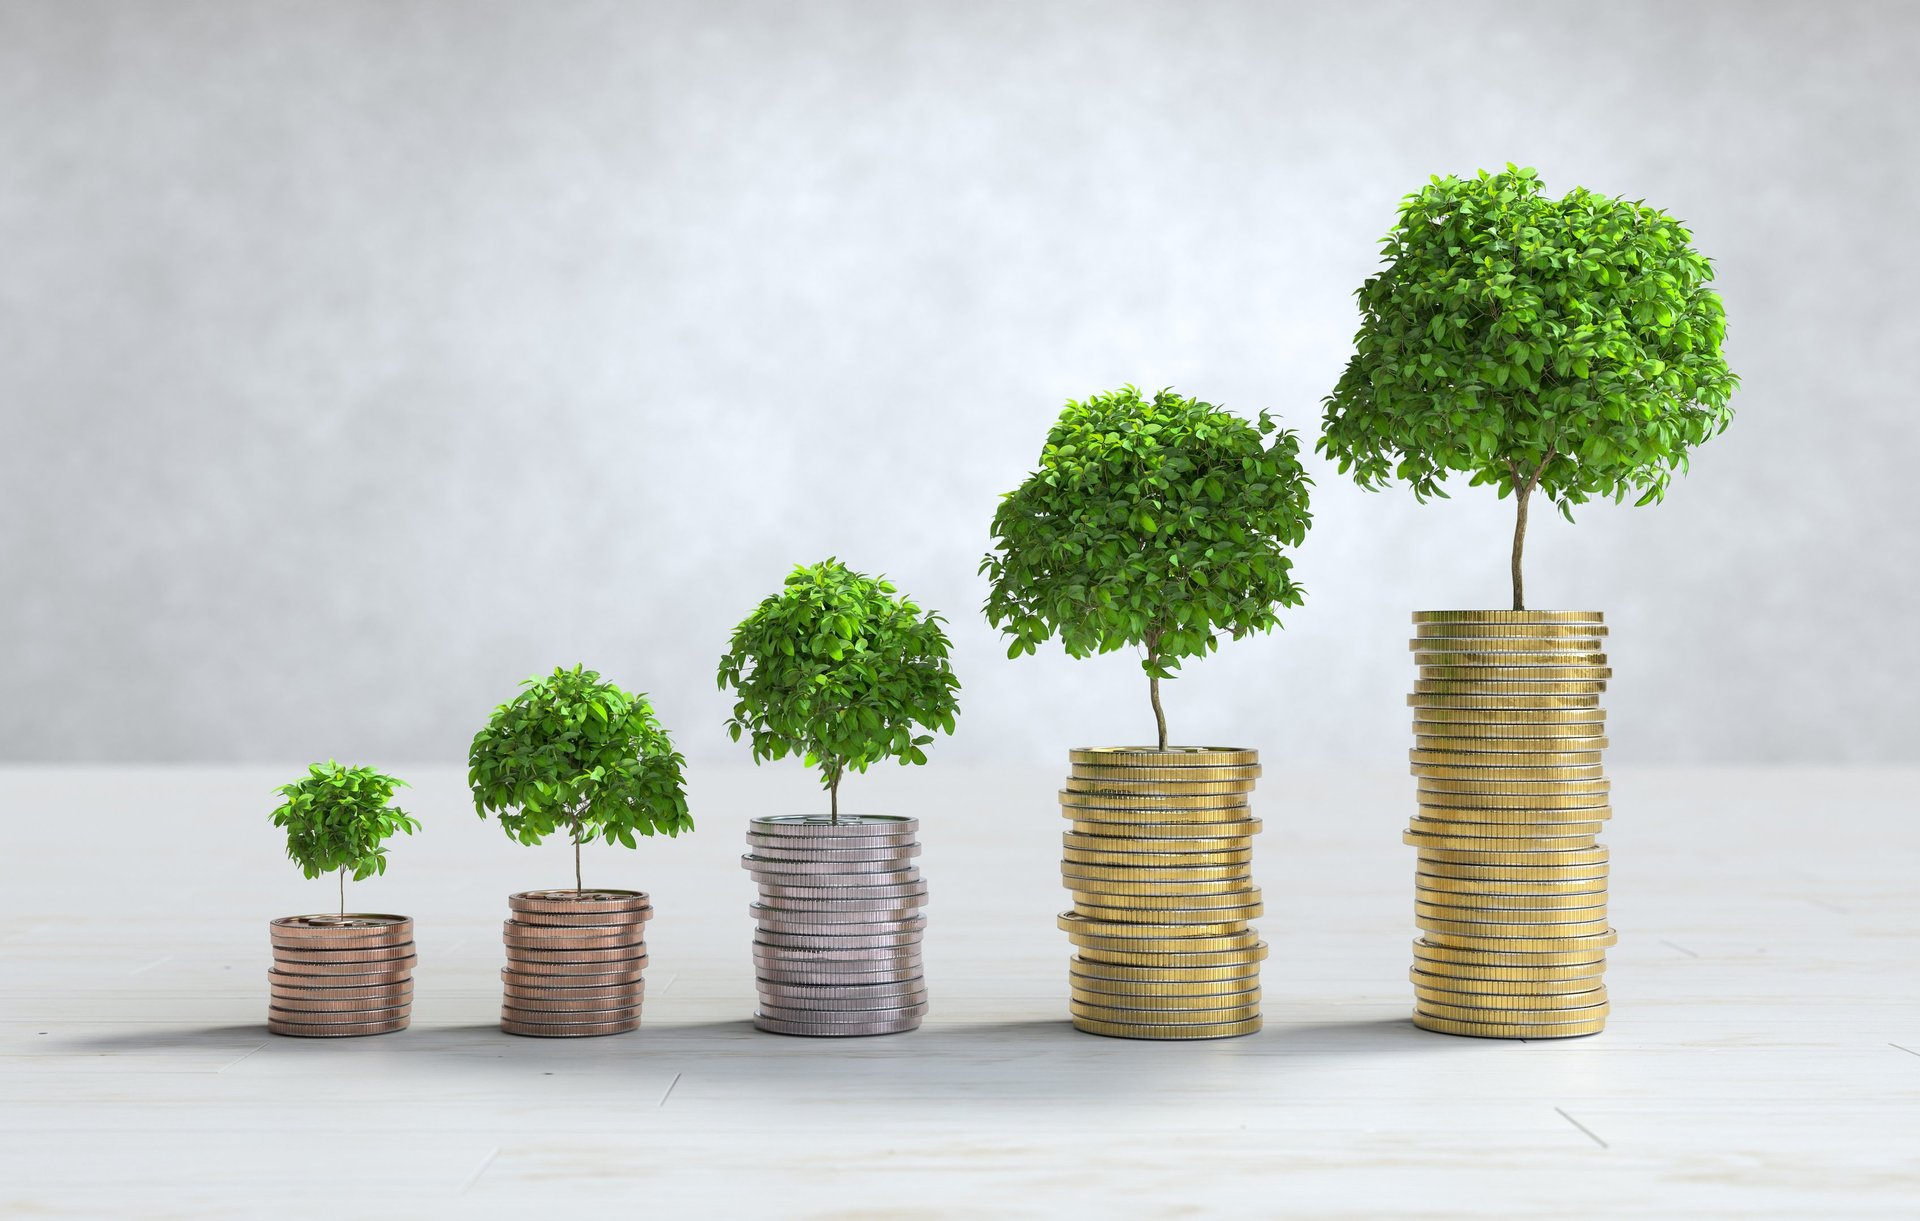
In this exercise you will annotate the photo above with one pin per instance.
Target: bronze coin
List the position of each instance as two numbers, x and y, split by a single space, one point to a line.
583 1030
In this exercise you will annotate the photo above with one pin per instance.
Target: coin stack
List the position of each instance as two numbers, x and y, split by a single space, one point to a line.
1159 856
836 946
334 976
574 962
1511 892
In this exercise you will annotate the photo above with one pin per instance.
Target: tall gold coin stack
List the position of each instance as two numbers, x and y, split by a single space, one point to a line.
1158 855
336 976
574 962
1511 892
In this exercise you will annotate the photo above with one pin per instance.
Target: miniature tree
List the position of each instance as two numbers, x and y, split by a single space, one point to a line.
1152 523
577 754
1567 346
837 669
338 820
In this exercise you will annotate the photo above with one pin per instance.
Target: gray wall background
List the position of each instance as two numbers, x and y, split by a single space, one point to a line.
358 359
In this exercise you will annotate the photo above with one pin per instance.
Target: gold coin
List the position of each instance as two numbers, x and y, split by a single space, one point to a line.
1509 689
1244 895
1517 788
1576 662
1151 860
1551 717
1212 958
1172 756
1523 775
1572 900
1475 1013
1433 701
1239 913
1496 1002
1543 981
1152 1014
1570 956
1503 807
1123 973
1497 735
1238 829
1487 759
1483 886
1082 924
1157 843
1477 931
1092 1003
1492 1030
1518 943
1152 801
1172 788
1088 943
1102 886
1162 873
1582 859
1492 680
1198 1030
1509 616
1491 837
1481 744
1512 629
1121 988
1147 775
1501 646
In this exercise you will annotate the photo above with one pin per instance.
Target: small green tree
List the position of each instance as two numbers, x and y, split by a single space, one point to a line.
575 753
1153 523
837 669
338 820
1567 346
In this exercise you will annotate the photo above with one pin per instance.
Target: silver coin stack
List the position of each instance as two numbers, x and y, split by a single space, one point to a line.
836 947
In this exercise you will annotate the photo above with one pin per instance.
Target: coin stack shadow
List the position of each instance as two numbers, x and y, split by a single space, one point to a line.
1511 888
574 962
337 976
1158 856
836 947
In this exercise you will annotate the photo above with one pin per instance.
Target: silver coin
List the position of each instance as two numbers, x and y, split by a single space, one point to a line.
818 976
784 1005
810 867
799 843
813 966
863 856
849 894
789 1013
842 991
837 1030
781 903
822 825
833 941
787 918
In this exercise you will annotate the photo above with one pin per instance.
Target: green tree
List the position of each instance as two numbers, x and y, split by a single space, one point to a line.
1153 523
338 820
1567 346
573 752
839 670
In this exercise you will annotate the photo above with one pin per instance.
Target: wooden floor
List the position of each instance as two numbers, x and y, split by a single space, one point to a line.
1763 1058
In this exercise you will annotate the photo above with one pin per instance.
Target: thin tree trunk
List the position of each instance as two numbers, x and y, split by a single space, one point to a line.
833 795
343 890
1519 542
1153 685
578 889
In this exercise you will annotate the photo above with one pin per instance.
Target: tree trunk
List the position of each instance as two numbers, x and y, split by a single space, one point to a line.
343 890
1520 495
1153 685
833 796
578 889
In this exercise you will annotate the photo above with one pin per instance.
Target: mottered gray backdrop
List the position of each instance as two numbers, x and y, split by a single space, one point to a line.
359 358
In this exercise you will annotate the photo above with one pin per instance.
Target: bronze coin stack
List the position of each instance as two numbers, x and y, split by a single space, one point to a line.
574 962
339 976
1511 889
1158 856
836 943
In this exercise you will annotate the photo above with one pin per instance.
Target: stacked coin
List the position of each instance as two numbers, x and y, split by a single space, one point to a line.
1158 855
836 945
334 976
1511 892
574 962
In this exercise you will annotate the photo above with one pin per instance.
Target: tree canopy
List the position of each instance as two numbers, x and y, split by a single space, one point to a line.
1153 522
338 820
1569 346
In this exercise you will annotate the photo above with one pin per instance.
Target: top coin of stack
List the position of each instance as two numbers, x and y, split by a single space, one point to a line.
1158 855
1511 885
574 962
335 976
836 943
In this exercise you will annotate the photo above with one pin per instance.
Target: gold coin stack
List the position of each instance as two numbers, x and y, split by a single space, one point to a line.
574 962
337 976
1511 892
1159 856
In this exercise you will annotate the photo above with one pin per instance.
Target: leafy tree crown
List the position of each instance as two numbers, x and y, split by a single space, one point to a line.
1157 522
573 752
1570 345
840 670
339 818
